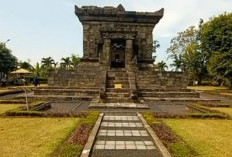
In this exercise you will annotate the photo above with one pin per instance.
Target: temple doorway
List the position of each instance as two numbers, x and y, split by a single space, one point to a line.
118 53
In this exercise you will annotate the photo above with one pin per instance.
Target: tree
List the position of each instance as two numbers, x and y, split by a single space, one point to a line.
46 66
66 63
216 39
47 62
177 61
220 65
185 50
156 45
162 65
37 70
8 62
25 65
75 60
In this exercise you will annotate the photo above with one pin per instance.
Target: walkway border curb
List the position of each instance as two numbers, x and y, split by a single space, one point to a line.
89 144
163 150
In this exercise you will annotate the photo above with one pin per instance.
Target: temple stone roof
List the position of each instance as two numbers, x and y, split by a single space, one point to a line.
116 14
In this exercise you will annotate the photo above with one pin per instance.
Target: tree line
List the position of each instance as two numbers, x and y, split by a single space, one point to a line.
9 63
204 52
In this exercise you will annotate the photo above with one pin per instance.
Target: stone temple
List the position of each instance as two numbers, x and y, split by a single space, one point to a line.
117 63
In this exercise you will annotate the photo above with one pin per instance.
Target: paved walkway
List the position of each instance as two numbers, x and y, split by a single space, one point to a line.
123 135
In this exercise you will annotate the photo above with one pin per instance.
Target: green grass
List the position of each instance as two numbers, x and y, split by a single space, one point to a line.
4 90
7 107
209 138
32 85
228 94
34 137
72 147
224 110
207 88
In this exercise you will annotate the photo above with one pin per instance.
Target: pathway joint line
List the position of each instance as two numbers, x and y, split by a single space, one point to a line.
92 136
163 150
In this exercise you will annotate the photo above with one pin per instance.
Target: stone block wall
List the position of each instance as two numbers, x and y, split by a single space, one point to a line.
161 81
95 32
87 75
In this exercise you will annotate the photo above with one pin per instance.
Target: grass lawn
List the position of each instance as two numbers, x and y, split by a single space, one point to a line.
224 109
6 107
209 138
207 88
228 94
32 85
3 90
33 137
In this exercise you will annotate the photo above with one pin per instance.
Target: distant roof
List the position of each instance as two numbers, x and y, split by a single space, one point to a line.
21 71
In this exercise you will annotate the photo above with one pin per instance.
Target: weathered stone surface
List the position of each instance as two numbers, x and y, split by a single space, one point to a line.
117 48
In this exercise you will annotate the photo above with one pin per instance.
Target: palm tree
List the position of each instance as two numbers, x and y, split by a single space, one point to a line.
75 60
46 66
177 62
162 65
47 62
37 70
66 63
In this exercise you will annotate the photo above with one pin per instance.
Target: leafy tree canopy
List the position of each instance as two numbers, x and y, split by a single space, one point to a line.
8 62
216 39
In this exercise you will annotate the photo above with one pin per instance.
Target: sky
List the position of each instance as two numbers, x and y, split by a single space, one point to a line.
43 28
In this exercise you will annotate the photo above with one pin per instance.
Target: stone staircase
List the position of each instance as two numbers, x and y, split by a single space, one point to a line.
117 94
123 135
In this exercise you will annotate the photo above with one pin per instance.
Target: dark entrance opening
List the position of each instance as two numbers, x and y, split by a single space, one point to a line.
118 53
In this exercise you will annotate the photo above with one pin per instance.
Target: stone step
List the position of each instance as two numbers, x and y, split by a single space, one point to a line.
117 82
122 124
66 92
117 78
119 95
169 94
119 105
124 145
112 85
118 90
160 89
117 74
123 133
118 100
127 138
54 98
68 87
122 118
181 99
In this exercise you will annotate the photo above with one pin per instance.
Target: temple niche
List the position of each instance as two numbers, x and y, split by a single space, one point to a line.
117 63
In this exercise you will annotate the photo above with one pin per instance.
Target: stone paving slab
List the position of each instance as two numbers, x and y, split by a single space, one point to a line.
124 138
122 124
121 118
138 145
122 133
126 153
119 105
